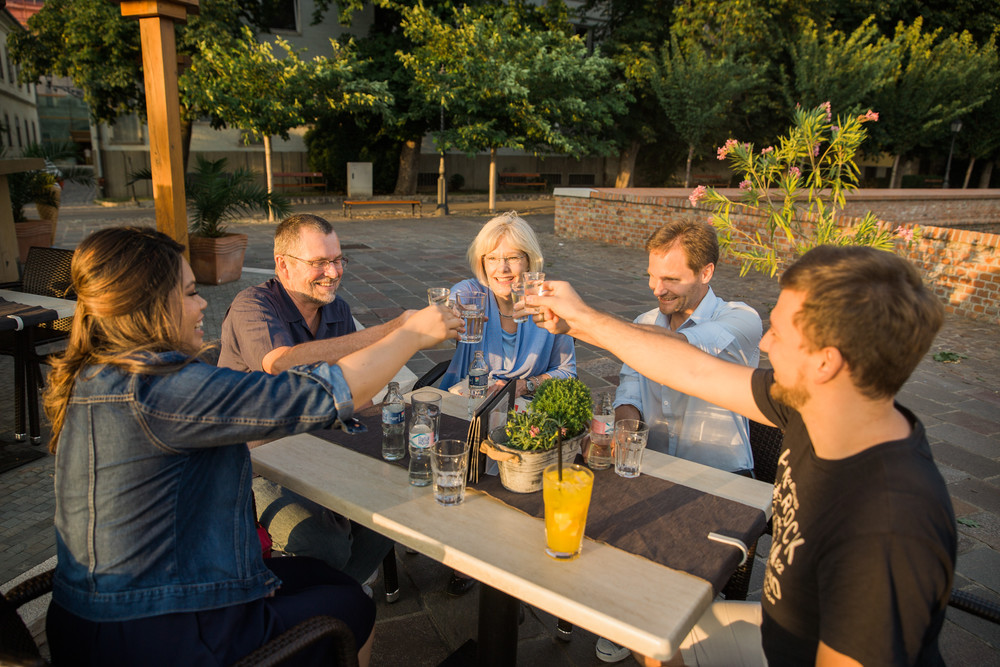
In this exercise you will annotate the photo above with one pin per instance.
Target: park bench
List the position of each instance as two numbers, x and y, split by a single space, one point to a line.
414 204
300 179
521 180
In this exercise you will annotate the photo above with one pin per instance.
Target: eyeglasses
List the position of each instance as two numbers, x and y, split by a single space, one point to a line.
512 260
321 264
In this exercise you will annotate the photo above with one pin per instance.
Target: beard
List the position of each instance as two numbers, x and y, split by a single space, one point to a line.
794 396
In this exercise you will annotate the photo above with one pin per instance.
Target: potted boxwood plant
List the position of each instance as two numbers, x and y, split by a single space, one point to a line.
558 415
215 196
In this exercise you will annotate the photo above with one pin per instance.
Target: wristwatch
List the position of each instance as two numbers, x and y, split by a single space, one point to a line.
530 385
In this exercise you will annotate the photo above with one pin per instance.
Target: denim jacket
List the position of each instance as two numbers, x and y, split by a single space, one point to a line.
154 509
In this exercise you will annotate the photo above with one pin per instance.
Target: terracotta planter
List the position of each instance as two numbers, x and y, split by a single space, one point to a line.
521 471
33 233
51 213
215 261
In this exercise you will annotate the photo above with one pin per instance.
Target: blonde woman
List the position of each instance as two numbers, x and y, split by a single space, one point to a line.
154 516
505 248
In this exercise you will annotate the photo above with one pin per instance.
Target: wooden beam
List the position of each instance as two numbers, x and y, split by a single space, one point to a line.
159 66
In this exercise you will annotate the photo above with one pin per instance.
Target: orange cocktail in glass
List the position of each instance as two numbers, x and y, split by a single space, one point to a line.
566 505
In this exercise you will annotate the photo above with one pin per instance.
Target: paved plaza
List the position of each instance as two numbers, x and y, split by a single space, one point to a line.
394 259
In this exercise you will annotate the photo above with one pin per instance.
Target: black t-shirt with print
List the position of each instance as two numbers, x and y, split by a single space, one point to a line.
863 548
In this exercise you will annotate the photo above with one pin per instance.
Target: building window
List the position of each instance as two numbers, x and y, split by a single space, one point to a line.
6 129
126 130
3 57
17 129
281 15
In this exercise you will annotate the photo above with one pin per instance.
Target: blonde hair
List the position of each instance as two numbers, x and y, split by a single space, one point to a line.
127 281
508 226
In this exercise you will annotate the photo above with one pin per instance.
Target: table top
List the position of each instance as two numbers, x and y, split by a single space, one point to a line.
504 548
63 307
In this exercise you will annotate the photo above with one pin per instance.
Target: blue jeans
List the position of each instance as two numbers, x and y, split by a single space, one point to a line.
301 527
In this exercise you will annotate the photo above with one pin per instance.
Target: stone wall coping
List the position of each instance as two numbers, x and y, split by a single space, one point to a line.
733 193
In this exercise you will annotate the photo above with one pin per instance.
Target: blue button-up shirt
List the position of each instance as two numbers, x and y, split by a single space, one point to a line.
154 511
690 427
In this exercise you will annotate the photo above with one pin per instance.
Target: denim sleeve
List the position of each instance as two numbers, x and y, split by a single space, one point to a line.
562 361
734 336
203 406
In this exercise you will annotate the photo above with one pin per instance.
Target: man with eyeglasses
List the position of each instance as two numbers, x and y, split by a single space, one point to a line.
292 319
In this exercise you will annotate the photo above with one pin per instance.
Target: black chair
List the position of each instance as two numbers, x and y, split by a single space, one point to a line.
18 648
432 376
975 605
46 273
765 443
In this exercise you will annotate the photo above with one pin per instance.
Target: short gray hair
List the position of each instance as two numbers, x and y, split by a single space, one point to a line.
509 226
288 230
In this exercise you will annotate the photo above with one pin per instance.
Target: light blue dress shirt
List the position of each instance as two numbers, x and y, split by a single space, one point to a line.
689 427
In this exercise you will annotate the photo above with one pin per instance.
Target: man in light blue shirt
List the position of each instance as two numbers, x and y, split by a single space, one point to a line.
682 259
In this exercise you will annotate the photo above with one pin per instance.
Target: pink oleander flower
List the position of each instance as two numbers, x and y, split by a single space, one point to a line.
795 172
744 185
535 431
563 431
829 114
904 233
724 151
868 116
834 128
697 195
765 151
815 150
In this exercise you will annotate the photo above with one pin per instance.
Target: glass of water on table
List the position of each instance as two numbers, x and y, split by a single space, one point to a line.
630 441
532 281
471 308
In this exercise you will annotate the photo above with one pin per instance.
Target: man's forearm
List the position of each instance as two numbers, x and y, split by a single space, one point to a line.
329 350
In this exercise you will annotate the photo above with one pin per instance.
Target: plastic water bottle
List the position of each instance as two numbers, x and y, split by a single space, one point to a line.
393 445
602 430
479 378
421 439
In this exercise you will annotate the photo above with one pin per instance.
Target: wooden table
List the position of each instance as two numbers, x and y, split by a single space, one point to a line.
25 374
630 600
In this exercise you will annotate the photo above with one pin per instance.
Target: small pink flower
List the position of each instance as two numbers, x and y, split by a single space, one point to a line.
535 431
829 114
744 185
697 195
834 128
563 431
724 151
765 151
868 116
815 150
904 233
794 172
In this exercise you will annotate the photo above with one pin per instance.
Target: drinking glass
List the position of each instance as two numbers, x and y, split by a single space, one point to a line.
517 293
449 464
431 400
566 504
533 286
438 295
472 308
630 441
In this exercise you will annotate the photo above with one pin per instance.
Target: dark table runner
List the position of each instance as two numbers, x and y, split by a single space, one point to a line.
30 315
665 522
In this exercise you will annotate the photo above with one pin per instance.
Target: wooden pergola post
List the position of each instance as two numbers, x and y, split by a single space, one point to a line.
163 109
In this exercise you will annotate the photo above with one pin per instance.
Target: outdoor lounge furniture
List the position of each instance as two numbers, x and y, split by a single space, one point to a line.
414 204
300 179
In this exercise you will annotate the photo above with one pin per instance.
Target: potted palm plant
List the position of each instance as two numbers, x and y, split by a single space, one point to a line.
214 197
559 415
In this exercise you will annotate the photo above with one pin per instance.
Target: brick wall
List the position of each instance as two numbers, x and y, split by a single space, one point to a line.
962 266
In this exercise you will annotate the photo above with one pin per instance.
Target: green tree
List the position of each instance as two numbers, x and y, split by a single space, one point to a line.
696 90
940 80
241 83
846 70
504 84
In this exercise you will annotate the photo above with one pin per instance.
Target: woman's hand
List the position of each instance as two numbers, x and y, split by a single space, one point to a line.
433 324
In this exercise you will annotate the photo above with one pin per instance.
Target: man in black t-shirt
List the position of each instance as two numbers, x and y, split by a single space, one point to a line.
863 548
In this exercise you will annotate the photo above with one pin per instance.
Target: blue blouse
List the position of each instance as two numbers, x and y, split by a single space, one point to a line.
536 351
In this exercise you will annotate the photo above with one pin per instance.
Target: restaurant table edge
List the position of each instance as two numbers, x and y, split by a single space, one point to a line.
660 608
63 307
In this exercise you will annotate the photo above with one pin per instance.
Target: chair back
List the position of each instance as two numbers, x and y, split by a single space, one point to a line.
17 646
432 376
47 273
765 442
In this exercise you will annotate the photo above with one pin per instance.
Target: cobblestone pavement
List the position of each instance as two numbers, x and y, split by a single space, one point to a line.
394 259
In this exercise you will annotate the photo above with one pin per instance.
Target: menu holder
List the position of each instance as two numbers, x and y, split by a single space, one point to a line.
479 427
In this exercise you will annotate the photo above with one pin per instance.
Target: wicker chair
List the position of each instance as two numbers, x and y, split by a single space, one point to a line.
18 648
46 273
765 442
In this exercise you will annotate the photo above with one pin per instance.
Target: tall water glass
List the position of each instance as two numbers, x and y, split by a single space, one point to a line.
471 308
438 295
431 401
449 464
630 441
533 286
517 293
